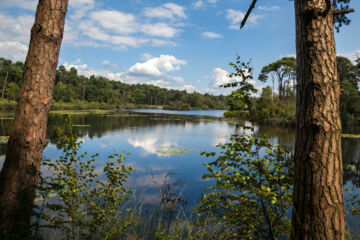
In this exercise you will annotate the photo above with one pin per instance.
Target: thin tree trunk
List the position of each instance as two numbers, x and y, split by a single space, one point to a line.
83 94
4 86
19 175
318 211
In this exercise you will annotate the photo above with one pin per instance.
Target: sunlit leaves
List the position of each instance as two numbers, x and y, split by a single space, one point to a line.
79 203
252 191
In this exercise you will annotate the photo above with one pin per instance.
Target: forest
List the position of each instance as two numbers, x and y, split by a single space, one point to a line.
72 88
274 106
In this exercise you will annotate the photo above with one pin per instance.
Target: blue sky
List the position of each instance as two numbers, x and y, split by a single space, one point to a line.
176 44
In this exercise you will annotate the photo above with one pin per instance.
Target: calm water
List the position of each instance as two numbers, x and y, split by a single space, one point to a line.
143 133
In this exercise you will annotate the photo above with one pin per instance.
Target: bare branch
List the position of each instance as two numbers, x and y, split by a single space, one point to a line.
344 11
248 13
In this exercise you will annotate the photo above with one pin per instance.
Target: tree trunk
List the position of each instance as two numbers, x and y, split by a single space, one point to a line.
4 86
318 211
19 175
83 93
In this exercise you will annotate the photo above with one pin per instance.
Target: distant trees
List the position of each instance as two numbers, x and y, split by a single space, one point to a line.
10 72
349 76
69 87
284 70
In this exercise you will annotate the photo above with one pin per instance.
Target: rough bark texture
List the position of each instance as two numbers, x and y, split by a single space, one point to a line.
318 211
19 174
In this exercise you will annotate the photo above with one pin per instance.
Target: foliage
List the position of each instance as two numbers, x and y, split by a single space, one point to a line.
349 76
253 189
86 206
270 110
12 91
79 90
341 19
240 100
285 72
280 109
178 106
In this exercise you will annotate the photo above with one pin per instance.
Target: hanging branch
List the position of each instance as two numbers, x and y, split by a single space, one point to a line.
248 13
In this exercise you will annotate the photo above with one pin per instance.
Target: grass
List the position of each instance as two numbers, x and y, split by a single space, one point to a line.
81 112
7 105
346 135
4 139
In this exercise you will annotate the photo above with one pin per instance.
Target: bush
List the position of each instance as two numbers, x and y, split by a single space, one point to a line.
252 191
79 204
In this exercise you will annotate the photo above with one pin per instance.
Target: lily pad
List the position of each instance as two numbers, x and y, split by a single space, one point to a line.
173 150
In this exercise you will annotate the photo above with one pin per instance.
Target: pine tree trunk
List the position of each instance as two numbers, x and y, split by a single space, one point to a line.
318 211
19 174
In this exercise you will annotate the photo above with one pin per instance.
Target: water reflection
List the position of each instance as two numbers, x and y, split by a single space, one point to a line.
143 134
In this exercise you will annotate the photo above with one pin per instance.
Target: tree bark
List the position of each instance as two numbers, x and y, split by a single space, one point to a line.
318 211
20 173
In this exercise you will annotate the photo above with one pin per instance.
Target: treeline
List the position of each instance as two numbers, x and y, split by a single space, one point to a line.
71 88
277 102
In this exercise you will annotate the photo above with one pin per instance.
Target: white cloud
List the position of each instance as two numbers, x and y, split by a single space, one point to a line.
146 56
15 33
235 17
352 56
119 30
167 11
188 87
16 29
201 4
159 30
156 66
79 8
219 77
25 4
198 4
154 70
85 70
117 22
161 42
13 50
128 41
91 25
211 35
147 144
272 8
108 64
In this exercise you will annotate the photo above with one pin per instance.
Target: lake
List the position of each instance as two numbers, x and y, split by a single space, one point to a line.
164 142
